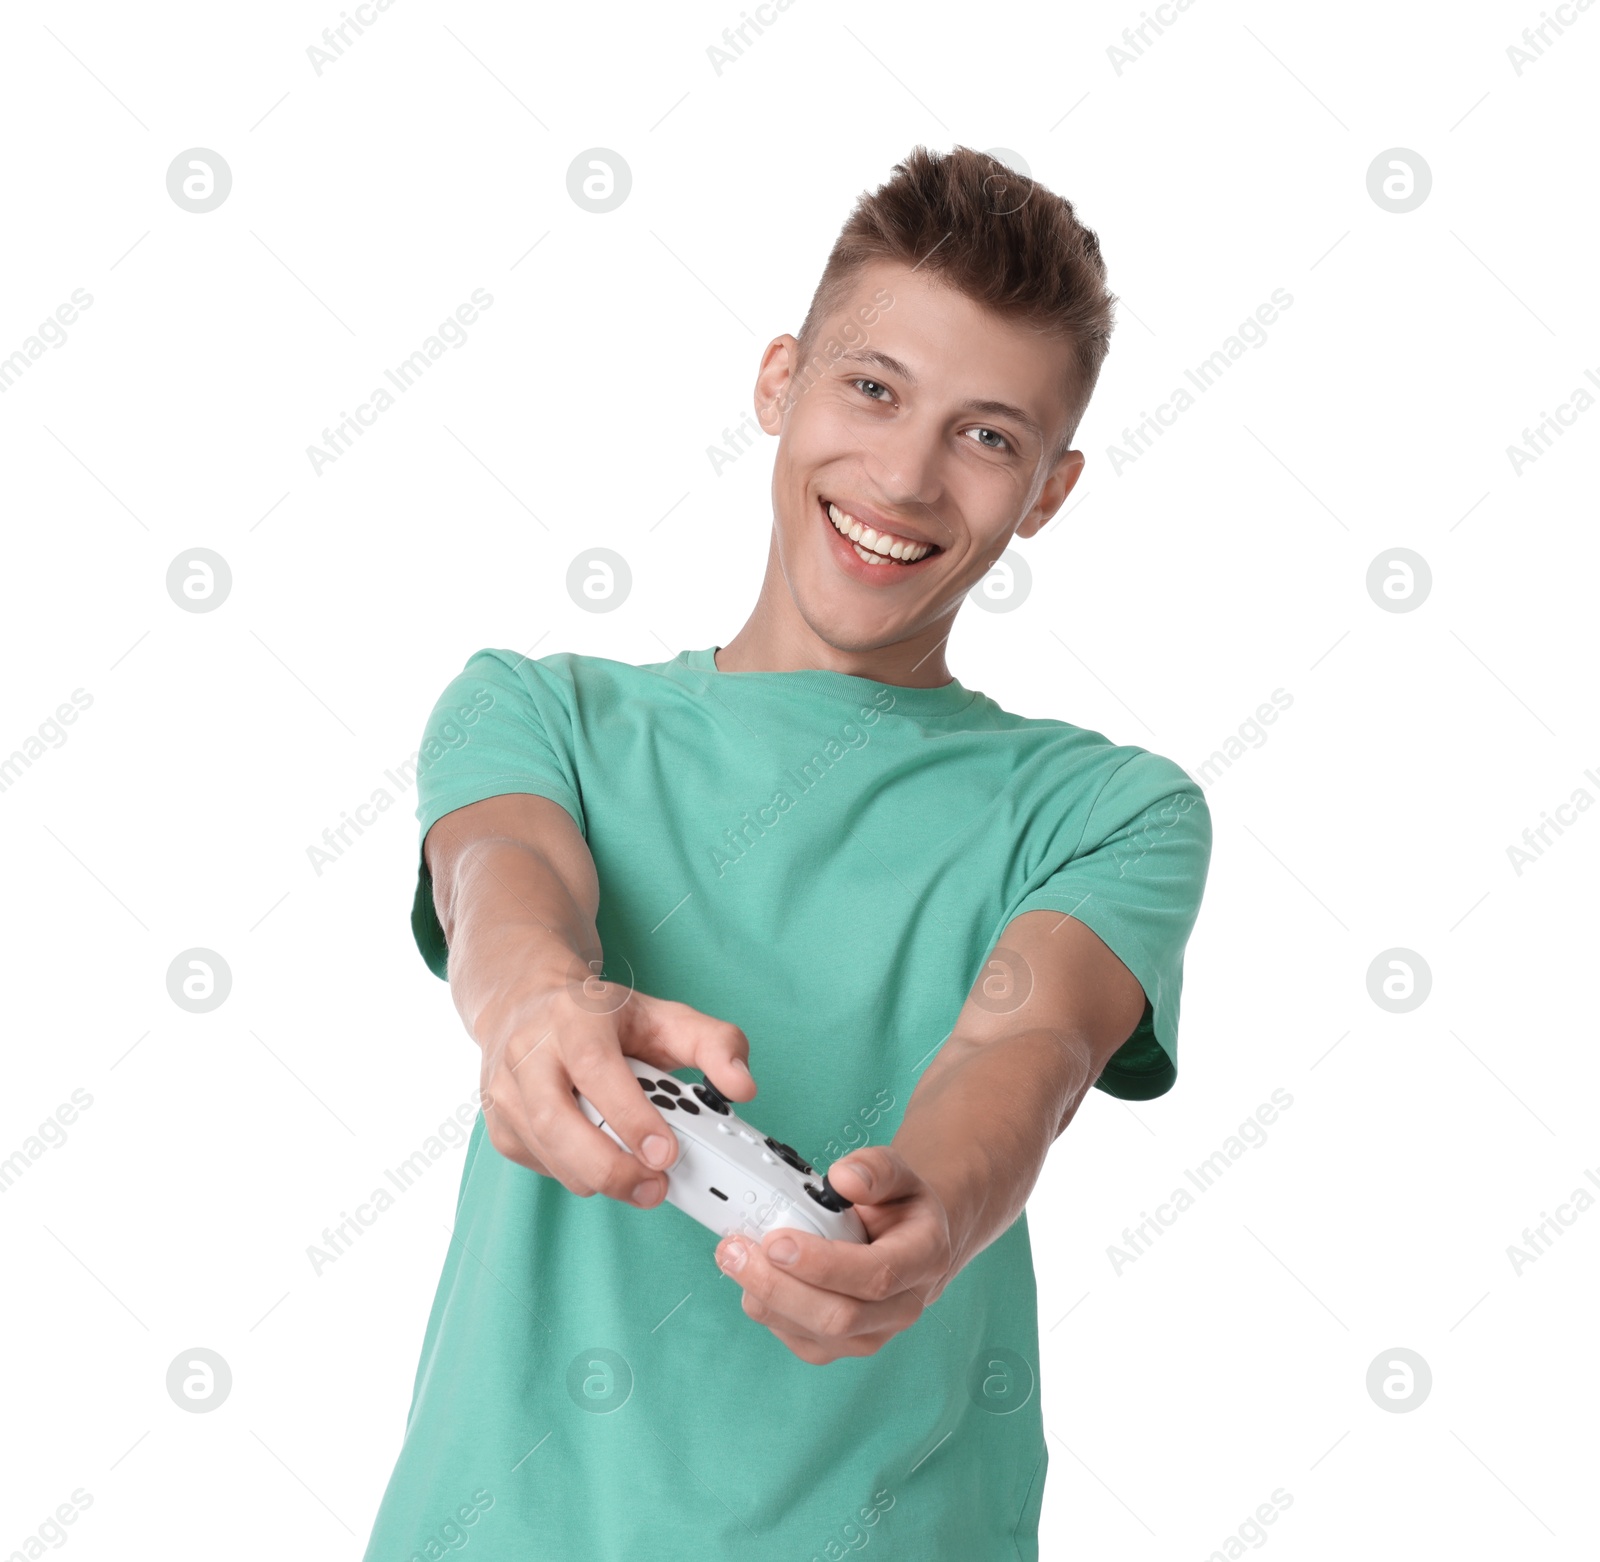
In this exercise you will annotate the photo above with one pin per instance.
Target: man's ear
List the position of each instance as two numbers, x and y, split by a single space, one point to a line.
1053 495
772 382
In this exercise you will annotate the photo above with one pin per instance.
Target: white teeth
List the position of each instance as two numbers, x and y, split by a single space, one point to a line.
876 547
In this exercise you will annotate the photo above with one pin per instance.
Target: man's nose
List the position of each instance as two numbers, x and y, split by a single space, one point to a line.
906 462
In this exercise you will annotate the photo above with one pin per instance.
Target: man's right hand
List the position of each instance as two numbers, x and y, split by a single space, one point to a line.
516 892
576 1035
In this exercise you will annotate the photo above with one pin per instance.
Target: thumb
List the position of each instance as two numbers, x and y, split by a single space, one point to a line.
876 1174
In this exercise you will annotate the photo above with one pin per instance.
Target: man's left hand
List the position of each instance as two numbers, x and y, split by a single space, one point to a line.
826 1298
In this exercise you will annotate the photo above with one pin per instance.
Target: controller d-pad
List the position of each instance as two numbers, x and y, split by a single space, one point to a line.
684 1104
671 1086
666 1103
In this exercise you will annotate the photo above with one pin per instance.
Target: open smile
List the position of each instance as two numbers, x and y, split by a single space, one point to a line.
877 549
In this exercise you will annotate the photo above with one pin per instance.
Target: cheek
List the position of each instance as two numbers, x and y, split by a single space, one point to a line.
820 433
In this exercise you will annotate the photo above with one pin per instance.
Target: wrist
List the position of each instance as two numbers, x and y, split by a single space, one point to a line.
958 1171
532 982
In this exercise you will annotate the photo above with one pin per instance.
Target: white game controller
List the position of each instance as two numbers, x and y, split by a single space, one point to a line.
730 1176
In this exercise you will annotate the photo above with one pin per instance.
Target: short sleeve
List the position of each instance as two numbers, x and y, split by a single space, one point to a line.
503 724
1136 880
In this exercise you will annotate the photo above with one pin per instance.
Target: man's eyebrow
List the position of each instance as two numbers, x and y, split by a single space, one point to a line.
993 409
883 361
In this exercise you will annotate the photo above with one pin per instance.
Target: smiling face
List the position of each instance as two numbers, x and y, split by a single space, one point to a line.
904 469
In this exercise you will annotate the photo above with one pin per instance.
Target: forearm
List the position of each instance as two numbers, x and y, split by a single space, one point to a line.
981 1121
514 926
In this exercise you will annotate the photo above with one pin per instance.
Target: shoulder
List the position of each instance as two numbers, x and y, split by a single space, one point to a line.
1088 762
560 673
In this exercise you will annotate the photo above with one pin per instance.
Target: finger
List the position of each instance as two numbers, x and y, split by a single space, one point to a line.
818 1315
503 1123
507 1140
874 1174
807 1349
773 1296
871 1272
674 1035
606 1080
818 1354
582 1157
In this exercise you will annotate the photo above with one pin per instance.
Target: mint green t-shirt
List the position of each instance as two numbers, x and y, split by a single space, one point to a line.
827 862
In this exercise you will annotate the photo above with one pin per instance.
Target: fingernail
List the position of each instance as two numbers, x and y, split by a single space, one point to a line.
862 1171
739 1063
657 1151
783 1251
732 1257
647 1194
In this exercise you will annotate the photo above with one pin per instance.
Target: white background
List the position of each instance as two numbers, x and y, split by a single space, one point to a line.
1171 599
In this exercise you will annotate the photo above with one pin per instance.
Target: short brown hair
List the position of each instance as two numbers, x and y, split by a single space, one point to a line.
999 237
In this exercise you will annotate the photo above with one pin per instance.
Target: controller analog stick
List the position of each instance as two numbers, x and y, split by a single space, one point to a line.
829 1197
712 1097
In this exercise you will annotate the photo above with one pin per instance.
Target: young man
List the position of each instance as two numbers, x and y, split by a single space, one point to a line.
811 859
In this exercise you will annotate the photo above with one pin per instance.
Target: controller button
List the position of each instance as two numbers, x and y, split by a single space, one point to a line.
747 1136
792 1156
827 1197
671 1086
646 1085
722 1128
684 1104
666 1103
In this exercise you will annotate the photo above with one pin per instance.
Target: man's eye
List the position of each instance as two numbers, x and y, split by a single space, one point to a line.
1005 444
875 386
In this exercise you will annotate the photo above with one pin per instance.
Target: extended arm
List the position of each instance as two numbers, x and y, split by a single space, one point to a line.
1021 1058
1051 1007
516 892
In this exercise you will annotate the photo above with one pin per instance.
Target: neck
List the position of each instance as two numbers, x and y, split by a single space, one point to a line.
775 638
